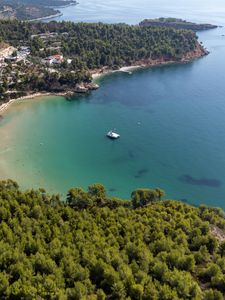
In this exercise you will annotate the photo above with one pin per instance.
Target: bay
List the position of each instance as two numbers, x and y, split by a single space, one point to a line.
171 120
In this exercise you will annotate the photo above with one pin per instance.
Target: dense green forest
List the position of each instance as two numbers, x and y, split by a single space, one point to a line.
87 47
94 247
176 24
99 44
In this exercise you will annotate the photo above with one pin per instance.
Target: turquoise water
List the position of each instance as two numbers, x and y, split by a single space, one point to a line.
171 121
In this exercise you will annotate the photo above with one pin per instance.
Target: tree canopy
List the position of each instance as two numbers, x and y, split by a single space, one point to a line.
107 249
84 48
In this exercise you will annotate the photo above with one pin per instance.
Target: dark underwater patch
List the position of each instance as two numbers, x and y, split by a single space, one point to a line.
119 159
112 190
131 154
150 111
141 173
210 182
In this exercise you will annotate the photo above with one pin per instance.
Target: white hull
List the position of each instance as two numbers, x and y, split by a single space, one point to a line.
112 135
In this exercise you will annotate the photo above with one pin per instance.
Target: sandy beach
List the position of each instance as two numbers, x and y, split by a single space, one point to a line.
5 106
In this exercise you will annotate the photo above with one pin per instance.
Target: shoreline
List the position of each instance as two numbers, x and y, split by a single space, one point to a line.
149 63
5 106
98 73
126 69
59 14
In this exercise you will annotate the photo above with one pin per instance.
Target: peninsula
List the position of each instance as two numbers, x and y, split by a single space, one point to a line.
61 57
30 10
176 24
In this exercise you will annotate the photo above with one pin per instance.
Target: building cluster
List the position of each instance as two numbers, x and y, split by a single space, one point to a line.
10 70
44 36
23 53
6 52
13 54
56 59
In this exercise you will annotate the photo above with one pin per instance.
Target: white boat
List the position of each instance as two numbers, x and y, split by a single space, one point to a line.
112 135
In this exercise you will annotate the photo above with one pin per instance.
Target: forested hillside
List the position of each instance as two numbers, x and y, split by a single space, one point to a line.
24 10
176 24
93 247
83 48
31 9
100 44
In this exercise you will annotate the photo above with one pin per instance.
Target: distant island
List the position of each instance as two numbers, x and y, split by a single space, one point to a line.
31 10
62 57
176 24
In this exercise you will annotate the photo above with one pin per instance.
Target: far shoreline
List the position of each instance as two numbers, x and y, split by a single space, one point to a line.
54 16
59 14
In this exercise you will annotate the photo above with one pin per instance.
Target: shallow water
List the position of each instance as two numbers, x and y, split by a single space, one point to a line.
171 121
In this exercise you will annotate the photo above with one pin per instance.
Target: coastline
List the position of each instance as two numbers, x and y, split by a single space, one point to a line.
5 106
198 52
126 69
59 14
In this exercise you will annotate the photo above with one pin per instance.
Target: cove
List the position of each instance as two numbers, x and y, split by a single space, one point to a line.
171 121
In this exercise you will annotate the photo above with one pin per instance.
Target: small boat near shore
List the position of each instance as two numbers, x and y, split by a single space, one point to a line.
112 135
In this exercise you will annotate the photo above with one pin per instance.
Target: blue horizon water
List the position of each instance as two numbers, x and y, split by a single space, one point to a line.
171 121
132 11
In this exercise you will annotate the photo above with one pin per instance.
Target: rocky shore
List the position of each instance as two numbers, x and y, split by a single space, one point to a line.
198 52
79 88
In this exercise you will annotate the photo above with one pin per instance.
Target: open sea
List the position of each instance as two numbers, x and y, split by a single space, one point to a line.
171 119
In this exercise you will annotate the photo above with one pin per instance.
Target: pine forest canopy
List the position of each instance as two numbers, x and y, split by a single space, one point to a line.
88 47
176 24
94 247
103 44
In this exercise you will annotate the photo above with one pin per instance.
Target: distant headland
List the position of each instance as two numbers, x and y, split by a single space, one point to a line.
32 10
176 24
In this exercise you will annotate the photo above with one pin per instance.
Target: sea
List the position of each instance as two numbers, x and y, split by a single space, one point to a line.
171 119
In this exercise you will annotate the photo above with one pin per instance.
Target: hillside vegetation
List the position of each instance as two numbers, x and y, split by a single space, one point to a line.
27 10
176 24
93 247
24 10
98 44
85 47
